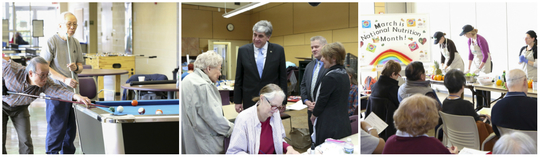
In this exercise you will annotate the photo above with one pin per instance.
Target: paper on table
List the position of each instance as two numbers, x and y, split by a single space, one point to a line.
486 111
296 106
376 122
466 150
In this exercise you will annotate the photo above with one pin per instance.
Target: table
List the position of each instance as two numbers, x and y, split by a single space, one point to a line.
501 89
103 72
354 139
169 88
102 132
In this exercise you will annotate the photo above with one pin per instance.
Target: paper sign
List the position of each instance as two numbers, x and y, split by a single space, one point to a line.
413 46
371 47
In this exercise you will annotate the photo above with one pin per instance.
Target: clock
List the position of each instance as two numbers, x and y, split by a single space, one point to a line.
230 27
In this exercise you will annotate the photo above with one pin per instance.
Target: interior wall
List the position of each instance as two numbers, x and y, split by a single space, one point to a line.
502 24
155 34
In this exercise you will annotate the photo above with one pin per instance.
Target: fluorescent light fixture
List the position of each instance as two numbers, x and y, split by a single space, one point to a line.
244 9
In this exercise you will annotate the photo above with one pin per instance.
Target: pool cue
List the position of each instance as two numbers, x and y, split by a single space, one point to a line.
51 98
70 61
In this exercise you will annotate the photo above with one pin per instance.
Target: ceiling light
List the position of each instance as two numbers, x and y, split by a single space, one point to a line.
244 9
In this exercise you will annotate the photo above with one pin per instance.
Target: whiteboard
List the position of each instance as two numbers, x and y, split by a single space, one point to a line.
400 37
37 28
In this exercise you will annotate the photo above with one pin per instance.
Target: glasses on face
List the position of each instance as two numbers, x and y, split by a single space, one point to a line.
274 107
42 75
71 24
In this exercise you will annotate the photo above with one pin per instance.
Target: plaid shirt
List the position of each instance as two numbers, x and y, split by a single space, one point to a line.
15 77
353 99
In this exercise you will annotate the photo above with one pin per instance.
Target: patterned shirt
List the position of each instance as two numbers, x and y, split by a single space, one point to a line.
353 99
15 77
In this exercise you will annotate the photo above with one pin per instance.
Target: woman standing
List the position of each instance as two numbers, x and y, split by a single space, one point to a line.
479 55
330 118
527 56
448 51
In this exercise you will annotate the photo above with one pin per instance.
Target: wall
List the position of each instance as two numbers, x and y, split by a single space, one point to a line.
155 34
502 24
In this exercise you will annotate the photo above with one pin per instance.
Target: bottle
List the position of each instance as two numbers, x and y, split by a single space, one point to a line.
504 76
349 147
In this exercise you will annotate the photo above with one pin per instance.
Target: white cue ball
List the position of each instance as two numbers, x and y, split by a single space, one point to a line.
120 109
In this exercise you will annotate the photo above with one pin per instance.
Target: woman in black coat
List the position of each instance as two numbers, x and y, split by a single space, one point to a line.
330 115
387 85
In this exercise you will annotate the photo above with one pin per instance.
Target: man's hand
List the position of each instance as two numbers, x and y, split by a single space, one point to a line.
71 82
238 108
290 150
82 99
312 118
310 105
72 66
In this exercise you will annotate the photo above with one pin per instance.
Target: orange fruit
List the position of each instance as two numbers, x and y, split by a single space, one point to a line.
529 83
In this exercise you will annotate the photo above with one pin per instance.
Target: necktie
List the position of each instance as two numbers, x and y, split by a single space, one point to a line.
314 77
260 61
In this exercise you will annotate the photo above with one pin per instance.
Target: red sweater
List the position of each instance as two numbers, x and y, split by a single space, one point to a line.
414 145
267 139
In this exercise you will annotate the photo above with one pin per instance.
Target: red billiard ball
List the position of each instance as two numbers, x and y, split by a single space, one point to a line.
134 102
159 111
141 110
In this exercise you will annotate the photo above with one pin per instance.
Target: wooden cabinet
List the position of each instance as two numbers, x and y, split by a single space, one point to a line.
111 62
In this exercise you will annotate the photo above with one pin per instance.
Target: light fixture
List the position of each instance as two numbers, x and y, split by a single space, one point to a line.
243 9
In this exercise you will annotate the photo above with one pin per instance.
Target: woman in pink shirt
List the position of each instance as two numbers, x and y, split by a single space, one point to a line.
258 129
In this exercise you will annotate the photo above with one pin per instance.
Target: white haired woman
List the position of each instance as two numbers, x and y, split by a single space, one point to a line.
515 143
258 129
203 125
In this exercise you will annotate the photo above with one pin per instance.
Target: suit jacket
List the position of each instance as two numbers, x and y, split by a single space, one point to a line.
331 109
305 85
248 83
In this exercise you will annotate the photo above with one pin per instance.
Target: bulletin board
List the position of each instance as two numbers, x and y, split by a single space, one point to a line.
400 37
37 28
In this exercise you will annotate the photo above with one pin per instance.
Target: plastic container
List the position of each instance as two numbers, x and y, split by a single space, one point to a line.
348 147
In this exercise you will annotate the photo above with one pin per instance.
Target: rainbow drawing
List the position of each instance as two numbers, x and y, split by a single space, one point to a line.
391 54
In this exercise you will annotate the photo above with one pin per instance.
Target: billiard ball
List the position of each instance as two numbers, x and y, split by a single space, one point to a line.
111 109
120 109
141 110
159 111
134 102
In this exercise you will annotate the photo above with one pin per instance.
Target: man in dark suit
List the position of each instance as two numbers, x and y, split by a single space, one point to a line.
258 64
314 72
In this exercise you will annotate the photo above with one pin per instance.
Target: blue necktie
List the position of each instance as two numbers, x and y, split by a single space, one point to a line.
260 61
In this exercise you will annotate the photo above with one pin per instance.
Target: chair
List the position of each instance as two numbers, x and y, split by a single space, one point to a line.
461 131
87 66
503 130
384 109
149 77
354 124
87 87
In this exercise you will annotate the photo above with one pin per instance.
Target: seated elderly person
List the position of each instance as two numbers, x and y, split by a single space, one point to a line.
371 142
515 143
454 81
415 116
416 82
515 110
258 129
203 125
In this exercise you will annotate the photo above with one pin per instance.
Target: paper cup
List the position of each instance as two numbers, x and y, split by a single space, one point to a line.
141 78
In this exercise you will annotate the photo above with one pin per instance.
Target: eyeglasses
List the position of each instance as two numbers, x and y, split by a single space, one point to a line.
42 75
71 24
274 107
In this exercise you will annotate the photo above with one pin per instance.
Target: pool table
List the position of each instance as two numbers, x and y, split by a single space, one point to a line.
104 132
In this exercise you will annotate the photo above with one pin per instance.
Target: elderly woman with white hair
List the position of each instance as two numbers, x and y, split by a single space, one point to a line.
258 129
515 143
203 125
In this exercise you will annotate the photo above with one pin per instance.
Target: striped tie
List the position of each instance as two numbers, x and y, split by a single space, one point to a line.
314 78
